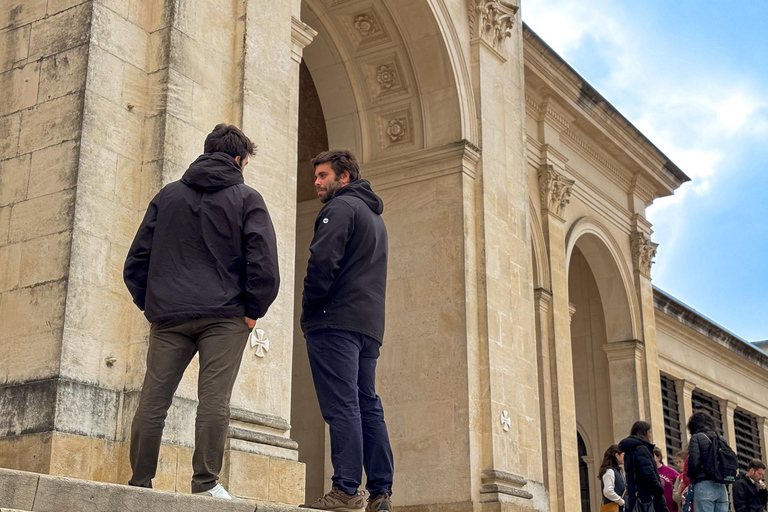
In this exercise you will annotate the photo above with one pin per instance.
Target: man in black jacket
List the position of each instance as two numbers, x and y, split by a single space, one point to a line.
343 321
203 267
749 492
644 488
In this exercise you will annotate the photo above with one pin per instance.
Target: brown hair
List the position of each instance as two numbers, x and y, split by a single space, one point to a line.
609 460
229 139
756 464
341 160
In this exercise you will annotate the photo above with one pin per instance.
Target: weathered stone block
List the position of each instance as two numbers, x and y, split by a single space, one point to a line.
44 259
63 73
60 32
112 127
16 13
10 128
15 46
30 452
247 474
51 123
28 407
158 53
5 222
53 169
104 460
184 469
35 310
19 87
109 219
10 265
56 6
42 216
71 456
105 74
119 36
165 480
17 489
35 356
286 481
14 179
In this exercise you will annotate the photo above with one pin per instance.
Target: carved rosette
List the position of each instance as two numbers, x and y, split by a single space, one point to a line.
365 24
643 252
386 76
555 190
492 21
396 129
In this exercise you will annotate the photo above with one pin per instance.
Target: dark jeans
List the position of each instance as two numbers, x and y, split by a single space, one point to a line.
344 371
172 344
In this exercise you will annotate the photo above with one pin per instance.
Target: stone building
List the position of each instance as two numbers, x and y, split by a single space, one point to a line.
524 333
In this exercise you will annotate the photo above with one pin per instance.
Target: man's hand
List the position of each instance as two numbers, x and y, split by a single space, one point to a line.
250 322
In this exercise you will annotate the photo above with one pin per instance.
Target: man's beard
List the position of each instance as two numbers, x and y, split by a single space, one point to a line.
330 190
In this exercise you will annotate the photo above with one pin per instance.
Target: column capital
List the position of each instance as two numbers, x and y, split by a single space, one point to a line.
542 299
643 252
685 387
728 406
555 190
491 22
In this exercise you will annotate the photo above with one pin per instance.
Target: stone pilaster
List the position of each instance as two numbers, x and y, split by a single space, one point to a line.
684 390
762 425
727 408
625 366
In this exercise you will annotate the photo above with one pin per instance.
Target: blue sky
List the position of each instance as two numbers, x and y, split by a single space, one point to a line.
693 77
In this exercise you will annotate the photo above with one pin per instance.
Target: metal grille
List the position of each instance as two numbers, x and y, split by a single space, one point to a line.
704 402
583 476
672 427
747 438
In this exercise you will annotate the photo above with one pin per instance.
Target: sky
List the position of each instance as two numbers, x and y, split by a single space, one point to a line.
692 76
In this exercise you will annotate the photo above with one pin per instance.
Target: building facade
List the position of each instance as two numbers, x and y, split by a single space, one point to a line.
524 335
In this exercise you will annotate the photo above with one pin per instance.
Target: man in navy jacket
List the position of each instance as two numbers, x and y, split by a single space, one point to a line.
203 267
343 321
749 492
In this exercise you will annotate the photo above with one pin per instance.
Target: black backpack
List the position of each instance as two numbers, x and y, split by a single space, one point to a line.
721 464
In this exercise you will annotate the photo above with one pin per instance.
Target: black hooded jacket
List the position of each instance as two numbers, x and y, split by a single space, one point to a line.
698 451
642 475
747 496
206 247
346 281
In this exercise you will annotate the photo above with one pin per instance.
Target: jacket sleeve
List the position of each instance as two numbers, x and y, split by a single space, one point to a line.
646 467
694 457
136 268
676 488
262 272
763 497
333 230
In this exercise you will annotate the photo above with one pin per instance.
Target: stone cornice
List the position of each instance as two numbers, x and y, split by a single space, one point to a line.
599 115
692 319
301 35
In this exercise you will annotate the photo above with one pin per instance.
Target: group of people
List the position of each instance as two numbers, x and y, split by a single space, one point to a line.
204 268
648 485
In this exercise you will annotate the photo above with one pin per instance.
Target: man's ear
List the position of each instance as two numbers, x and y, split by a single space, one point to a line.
237 160
344 177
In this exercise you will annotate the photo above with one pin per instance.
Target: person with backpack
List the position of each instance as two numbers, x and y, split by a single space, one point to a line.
749 490
711 464
645 493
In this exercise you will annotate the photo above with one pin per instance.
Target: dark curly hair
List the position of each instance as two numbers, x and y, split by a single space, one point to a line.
701 421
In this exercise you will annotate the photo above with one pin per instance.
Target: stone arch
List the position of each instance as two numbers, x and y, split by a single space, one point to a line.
385 75
613 277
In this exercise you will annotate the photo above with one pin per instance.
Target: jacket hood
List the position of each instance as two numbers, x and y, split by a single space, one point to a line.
212 172
632 442
362 190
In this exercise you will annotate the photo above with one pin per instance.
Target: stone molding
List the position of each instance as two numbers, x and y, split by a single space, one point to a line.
623 350
261 438
643 252
555 190
259 419
501 482
542 299
492 22
301 35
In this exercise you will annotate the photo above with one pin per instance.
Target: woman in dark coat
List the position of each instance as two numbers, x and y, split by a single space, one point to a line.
644 489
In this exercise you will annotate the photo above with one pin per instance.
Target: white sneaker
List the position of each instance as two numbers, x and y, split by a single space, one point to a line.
217 492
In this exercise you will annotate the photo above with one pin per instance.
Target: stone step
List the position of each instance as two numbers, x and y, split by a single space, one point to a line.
34 492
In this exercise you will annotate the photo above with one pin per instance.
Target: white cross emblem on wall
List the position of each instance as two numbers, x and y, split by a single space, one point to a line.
259 340
506 421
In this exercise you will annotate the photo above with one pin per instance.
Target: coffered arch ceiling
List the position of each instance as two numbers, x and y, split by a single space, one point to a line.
384 75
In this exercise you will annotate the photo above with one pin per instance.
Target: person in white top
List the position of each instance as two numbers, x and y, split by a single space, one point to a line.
611 478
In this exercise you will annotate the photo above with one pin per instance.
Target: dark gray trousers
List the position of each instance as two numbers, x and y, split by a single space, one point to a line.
172 344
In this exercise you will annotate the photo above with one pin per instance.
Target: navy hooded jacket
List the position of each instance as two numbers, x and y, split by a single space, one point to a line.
346 281
206 247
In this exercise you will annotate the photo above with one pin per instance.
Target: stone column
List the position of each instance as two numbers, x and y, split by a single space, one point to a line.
503 382
727 408
625 365
643 251
684 390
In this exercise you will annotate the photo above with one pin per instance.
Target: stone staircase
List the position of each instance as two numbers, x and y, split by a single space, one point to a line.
32 492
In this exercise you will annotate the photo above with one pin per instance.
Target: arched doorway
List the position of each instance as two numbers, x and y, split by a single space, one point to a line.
584 476
378 79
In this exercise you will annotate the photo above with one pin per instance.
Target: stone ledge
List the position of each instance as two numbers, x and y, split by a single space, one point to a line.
34 492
